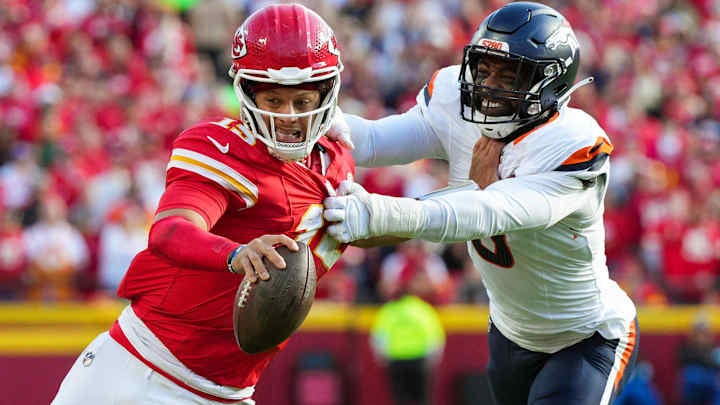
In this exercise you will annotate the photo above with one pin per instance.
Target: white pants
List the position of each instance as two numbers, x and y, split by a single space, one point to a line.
107 374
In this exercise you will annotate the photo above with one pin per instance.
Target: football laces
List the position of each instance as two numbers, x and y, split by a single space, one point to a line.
244 294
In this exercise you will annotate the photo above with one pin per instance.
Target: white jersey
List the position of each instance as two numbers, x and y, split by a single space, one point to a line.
541 257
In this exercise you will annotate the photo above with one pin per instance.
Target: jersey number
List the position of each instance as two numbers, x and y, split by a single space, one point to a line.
236 127
500 255
310 232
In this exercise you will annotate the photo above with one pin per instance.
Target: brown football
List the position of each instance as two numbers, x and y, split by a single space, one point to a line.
268 311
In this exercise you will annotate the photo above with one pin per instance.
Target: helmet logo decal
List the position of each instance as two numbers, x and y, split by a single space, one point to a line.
332 49
239 48
496 45
563 36
325 36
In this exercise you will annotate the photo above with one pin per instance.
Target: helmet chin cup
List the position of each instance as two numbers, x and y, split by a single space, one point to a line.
498 130
288 153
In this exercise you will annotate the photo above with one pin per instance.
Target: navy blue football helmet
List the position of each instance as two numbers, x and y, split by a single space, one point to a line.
532 54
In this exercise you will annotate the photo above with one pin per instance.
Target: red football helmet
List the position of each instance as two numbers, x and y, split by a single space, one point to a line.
289 45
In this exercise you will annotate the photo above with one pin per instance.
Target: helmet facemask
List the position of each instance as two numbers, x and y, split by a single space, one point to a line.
319 120
501 111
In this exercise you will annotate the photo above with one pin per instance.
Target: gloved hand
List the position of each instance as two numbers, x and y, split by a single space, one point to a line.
349 211
340 130
361 215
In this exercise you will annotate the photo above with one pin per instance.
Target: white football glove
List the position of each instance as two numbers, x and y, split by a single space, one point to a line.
349 211
360 215
340 130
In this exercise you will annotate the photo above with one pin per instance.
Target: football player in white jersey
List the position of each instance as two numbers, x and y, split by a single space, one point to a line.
561 331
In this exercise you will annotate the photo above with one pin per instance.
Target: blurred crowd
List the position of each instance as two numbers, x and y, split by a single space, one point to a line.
92 92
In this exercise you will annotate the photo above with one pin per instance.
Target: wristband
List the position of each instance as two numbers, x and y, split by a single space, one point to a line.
231 256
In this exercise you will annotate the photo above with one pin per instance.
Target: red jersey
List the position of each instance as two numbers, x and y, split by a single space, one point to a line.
190 310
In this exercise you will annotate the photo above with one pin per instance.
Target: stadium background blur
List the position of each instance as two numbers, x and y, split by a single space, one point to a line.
92 92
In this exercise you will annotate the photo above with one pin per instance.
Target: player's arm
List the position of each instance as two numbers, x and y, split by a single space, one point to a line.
403 138
180 233
379 241
397 139
388 240
527 202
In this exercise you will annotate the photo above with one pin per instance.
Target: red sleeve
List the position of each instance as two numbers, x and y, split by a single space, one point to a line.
206 199
186 245
181 241
207 173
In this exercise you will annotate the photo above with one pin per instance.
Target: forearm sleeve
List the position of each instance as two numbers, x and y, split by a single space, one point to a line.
529 202
397 139
181 241
186 245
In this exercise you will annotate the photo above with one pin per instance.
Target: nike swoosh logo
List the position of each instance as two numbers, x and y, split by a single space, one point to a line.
222 148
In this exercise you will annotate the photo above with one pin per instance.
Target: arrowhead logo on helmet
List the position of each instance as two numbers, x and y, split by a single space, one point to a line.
239 48
332 48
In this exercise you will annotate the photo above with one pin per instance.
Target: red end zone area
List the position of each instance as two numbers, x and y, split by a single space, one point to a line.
329 361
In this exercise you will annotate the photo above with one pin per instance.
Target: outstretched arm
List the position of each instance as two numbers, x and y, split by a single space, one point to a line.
379 241
536 201
393 140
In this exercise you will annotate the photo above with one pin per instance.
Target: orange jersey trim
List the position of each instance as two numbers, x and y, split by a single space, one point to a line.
431 84
523 136
589 153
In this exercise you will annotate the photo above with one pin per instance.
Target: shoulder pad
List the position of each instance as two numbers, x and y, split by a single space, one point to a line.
573 142
225 137
439 101
442 88
219 154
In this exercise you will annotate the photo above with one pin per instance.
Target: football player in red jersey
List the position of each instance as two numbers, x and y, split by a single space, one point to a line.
235 188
